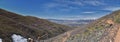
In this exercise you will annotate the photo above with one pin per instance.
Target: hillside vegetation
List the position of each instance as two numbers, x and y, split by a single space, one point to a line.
105 29
28 27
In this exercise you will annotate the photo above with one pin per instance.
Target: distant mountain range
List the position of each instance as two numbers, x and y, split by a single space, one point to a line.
72 22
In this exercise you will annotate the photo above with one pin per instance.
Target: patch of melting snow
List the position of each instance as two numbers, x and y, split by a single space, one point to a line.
18 38
0 40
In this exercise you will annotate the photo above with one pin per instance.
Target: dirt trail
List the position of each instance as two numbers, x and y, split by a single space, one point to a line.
117 38
71 33
67 34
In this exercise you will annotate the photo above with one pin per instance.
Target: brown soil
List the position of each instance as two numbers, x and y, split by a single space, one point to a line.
117 38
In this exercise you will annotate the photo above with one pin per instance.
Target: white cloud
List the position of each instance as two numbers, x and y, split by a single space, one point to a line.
68 5
112 8
59 7
69 8
82 2
51 5
88 12
74 2
94 2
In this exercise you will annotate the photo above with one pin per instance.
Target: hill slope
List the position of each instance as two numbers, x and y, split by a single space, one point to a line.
105 29
27 26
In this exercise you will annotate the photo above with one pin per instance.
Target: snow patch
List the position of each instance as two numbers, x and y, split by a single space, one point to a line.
0 40
18 38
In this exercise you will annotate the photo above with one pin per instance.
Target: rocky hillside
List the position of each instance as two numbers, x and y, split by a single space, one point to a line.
27 26
105 29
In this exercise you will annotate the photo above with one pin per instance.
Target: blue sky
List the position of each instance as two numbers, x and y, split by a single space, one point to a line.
62 9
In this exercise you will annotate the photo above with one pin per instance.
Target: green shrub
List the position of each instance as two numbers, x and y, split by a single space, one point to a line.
117 18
